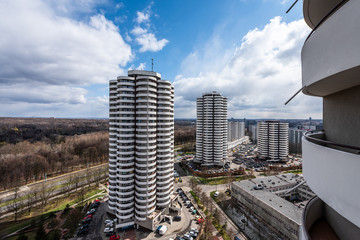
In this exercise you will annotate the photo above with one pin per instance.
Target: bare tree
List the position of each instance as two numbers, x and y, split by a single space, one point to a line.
16 203
88 177
81 194
46 191
67 184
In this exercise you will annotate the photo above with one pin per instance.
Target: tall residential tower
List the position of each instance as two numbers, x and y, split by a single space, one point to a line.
211 129
273 141
141 148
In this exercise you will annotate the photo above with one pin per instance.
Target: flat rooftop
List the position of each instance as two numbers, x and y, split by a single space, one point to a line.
279 204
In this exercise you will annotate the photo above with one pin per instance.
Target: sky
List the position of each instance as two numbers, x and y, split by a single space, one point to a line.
57 57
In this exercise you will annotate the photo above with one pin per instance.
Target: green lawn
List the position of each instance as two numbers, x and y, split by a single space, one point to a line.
222 180
295 171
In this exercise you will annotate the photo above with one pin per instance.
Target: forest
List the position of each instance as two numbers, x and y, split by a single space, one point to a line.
34 148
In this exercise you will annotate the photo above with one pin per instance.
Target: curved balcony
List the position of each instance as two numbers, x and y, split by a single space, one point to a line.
320 221
162 204
145 184
145 165
331 171
138 200
125 216
330 65
146 206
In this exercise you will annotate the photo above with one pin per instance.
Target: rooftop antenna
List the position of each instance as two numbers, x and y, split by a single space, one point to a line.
152 64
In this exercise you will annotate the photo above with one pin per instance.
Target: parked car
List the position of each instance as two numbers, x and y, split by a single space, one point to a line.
216 194
108 221
163 230
114 237
177 218
109 234
86 220
91 211
109 224
85 226
82 232
108 230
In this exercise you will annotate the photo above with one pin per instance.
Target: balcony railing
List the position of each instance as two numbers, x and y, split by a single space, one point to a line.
318 137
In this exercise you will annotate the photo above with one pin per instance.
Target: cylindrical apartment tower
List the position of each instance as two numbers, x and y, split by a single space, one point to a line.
141 134
211 129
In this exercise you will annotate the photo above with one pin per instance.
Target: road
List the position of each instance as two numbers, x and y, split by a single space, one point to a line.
208 189
23 190
54 182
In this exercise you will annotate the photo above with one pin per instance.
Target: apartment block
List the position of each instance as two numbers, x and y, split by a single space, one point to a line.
211 129
273 141
141 148
236 130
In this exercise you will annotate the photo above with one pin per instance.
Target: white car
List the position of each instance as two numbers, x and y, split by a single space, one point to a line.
109 224
108 230
108 221
216 194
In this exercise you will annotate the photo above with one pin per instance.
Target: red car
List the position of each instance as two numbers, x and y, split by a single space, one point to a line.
114 237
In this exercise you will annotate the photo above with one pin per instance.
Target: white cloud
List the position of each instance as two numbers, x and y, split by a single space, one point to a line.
258 77
138 31
142 17
141 66
143 36
46 56
149 42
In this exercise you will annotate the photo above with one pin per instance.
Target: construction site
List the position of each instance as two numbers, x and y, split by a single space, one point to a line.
270 207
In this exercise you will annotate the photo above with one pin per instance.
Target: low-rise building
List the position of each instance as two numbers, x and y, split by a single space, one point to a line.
277 202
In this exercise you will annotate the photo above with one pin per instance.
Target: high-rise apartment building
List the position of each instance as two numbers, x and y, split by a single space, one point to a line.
273 142
331 161
295 136
236 130
141 148
253 132
211 129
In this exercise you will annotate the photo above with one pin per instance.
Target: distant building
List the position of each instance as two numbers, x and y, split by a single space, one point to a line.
253 133
141 148
274 204
236 130
211 129
273 142
295 136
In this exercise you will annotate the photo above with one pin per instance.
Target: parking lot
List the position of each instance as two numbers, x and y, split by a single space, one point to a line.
178 229
94 228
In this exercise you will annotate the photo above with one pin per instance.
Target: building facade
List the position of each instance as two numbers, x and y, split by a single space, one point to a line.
253 133
236 130
273 140
331 159
141 148
295 136
211 129
273 204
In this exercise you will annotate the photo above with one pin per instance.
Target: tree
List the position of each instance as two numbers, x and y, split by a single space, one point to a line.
88 177
40 233
22 236
67 184
46 190
16 204
81 194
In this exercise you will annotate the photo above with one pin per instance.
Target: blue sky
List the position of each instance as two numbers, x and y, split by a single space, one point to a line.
56 57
